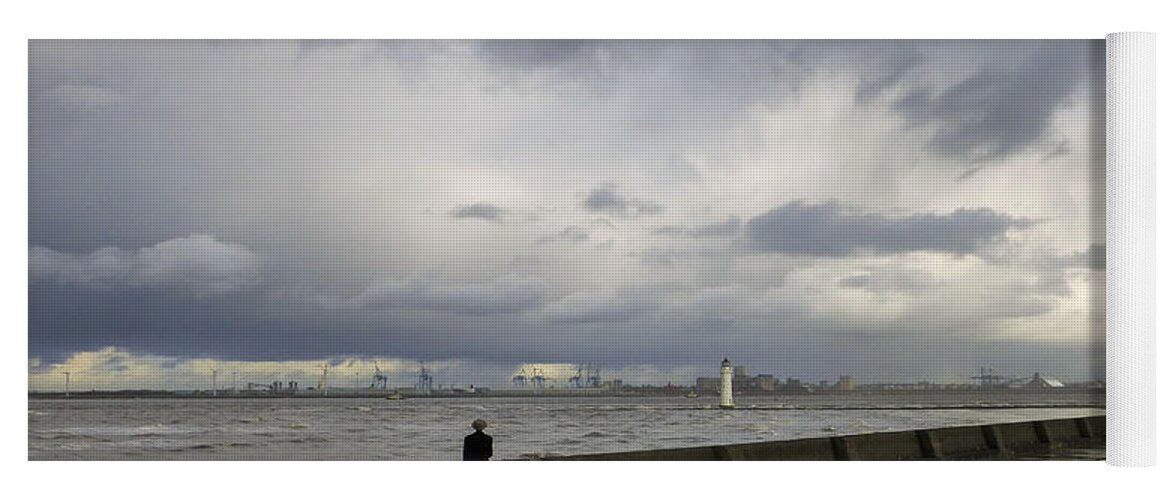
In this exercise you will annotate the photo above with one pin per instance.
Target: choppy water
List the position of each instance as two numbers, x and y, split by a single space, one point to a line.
433 429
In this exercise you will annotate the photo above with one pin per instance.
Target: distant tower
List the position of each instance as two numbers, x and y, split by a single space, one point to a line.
726 385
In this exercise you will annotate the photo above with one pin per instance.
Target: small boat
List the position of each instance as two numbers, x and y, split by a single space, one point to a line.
691 395
395 397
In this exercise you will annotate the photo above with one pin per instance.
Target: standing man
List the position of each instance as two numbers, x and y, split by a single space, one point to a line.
477 445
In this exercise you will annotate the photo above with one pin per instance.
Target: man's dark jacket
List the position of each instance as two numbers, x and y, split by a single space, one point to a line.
477 446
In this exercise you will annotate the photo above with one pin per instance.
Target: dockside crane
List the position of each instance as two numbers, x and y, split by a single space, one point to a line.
380 379
575 381
988 378
423 385
520 379
595 377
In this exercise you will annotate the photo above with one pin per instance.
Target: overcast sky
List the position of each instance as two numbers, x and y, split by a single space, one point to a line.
897 211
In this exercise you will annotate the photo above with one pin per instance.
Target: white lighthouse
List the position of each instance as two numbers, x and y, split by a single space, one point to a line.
726 385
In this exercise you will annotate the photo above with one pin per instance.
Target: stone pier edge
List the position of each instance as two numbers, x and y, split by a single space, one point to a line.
968 442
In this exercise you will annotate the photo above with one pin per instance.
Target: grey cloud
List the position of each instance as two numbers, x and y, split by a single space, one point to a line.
198 263
889 279
642 207
671 231
706 74
599 307
726 228
606 199
484 211
1020 307
511 294
83 95
829 230
571 234
529 54
1003 108
885 64
1094 257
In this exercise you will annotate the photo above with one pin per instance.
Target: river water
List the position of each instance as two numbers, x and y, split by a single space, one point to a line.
433 429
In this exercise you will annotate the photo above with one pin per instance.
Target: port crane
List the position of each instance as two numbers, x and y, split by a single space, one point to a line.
520 379
538 378
423 384
575 381
988 378
380 378
595 377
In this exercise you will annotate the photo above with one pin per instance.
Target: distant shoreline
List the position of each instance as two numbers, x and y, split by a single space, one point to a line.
577 393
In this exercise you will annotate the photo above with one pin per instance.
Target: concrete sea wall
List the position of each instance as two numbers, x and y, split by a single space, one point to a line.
971 442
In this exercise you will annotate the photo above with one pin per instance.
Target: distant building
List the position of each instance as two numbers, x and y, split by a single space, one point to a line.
741 382
845 383
793 386
709 385
1042 382
766 383
762 383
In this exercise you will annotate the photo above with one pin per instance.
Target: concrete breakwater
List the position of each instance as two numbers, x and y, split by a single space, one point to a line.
969 442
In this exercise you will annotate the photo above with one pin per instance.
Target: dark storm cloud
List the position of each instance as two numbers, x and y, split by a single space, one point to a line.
1003 108
830 230
72 319
69 319
252 327
484 211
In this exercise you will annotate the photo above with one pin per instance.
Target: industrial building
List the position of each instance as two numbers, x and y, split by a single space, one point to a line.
1043 382
845 383
741 382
